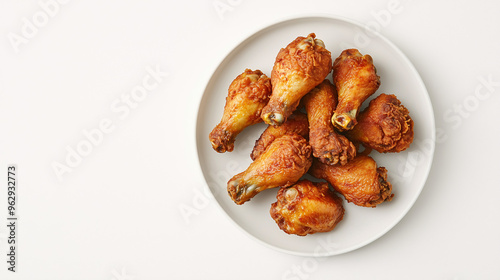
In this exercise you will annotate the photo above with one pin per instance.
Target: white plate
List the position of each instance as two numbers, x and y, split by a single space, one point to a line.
407 171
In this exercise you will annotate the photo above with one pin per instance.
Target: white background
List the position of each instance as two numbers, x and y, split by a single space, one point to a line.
120 210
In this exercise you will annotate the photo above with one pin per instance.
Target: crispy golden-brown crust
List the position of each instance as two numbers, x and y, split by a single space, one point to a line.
328 146
247 95
296 124
298 68
360 181
355 78
385 125
282 164
306 208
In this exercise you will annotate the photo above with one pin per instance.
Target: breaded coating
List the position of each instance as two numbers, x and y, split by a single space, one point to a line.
385 125
247 96
307 208
355 78
296 124
282 164
298 68
360 181
328 146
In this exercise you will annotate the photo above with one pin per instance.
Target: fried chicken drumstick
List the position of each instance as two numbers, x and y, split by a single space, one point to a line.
247 95
307 208
355 78
296 124
360 181
282 164
298 68
385 125
328 146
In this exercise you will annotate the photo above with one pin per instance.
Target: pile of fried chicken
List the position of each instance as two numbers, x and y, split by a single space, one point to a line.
315 127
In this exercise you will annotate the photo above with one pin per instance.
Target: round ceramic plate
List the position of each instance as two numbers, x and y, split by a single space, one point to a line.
407 171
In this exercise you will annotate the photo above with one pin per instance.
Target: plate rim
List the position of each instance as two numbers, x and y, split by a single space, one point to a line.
303 16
